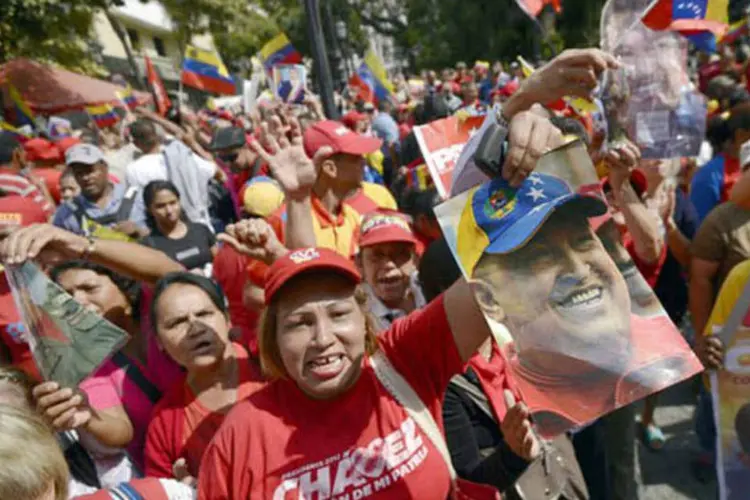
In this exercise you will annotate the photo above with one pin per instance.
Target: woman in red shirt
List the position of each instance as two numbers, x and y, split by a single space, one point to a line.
191 321
325 426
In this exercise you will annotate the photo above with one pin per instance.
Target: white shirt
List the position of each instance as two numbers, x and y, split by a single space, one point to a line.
151 167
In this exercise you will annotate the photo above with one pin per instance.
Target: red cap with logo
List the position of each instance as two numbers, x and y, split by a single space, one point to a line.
385 226
303 260
337 136
352 118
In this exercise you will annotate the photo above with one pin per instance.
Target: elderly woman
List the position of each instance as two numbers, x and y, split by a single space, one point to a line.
333 420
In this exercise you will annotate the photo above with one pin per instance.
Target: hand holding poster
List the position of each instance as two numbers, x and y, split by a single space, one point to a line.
290 82
583 339
441 143
67 340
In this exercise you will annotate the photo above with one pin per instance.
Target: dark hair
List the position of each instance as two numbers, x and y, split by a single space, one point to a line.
68 172
739 118
418 202
438 269
718 133
210 287
433 108
144 132
129 287
150 192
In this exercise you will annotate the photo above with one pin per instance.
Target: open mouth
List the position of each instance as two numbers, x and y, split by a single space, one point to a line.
202 347
583 298
326 367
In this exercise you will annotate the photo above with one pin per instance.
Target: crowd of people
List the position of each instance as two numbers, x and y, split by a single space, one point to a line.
298 326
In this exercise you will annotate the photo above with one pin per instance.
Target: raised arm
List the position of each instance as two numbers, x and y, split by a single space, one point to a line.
51 244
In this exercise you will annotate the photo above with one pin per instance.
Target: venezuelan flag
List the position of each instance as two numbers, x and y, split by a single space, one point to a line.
372 74
735 31
24 115
204 70
127 98
702 22
279 50
103 115
19 135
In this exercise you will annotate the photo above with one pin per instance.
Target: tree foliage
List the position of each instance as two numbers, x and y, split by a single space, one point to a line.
50 30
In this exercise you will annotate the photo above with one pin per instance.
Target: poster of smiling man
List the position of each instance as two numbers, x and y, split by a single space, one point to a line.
576 344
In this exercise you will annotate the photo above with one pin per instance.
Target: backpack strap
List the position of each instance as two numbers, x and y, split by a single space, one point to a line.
126 204
402 392
475 394
137 377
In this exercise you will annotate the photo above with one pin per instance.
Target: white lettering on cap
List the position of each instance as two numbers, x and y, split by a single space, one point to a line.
341 131
304 255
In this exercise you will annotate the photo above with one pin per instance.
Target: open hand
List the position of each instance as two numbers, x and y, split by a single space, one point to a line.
254 238
44 242
290 166
517 430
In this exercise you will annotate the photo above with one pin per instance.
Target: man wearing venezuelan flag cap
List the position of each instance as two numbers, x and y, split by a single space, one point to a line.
539 269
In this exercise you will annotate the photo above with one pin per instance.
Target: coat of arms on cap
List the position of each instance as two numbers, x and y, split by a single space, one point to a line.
304 255
500 202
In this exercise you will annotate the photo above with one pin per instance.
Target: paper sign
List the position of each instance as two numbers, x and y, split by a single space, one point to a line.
730 391
586 333
290 82
250 92
441 143
68 341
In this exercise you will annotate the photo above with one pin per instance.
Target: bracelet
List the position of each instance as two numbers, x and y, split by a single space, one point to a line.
89 248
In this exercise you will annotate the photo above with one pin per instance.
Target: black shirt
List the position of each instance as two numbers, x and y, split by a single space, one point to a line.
192 250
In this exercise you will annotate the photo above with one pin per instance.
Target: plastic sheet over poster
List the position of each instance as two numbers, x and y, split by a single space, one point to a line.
584 332
68 341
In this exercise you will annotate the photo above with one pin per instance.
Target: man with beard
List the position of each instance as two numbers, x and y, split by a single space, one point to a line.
538 268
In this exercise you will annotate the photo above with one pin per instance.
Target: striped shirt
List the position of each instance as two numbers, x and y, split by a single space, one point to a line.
20 186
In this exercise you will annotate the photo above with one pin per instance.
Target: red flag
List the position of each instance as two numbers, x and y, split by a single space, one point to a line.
360 89
534 7
157 87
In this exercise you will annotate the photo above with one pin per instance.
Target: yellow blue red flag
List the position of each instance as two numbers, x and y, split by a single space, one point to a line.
204 70
19 135
103 115
373 75
702 22
24 115
279 50
128 98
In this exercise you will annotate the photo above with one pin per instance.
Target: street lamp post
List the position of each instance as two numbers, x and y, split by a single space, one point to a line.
322 70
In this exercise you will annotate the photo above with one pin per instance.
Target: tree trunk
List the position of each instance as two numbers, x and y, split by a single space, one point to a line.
128 53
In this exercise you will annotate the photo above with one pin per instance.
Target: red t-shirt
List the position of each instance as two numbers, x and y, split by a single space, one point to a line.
229 271
181 427
281 444
17 185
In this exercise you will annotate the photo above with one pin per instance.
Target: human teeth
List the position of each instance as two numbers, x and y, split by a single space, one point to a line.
325 360
584 297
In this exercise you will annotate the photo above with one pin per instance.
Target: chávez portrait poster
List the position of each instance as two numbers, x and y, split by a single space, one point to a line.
584 333
68 341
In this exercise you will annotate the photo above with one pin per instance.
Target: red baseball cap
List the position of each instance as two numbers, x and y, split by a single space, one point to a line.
303 260
66 143
339 138
42 150
352 118
385 226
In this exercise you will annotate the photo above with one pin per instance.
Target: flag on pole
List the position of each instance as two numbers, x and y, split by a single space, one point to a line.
103 115
533 8
526 67
18 134
24 115
279 50
361 89
372 75
127 98
161 99
204 70
702 22
736 30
